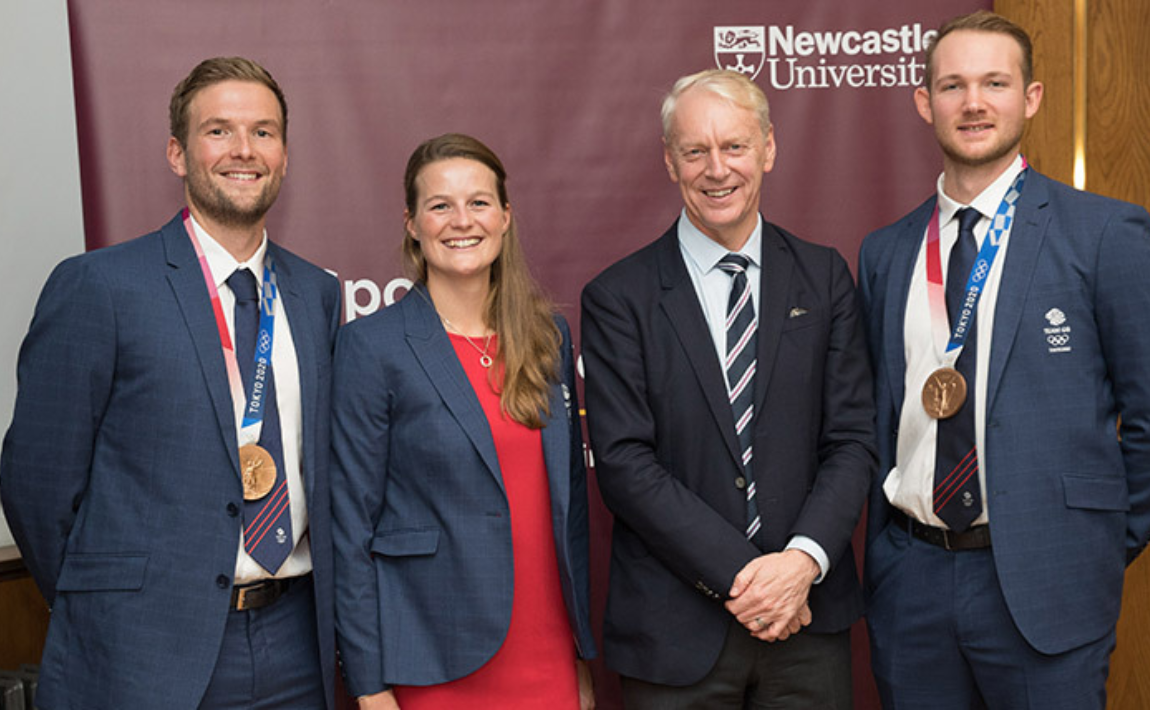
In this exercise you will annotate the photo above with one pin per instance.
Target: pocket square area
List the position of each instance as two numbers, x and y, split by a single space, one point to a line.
796 312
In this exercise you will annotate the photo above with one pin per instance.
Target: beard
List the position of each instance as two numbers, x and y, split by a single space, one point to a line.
1007 145
218 206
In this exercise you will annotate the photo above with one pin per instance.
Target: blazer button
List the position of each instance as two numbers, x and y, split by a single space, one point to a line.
740 483
222 581
233 509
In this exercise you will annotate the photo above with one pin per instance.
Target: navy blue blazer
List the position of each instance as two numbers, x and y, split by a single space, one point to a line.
1069 503
120 474
424 577
668 462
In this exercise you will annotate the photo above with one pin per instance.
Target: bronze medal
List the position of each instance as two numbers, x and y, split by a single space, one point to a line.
257 470
944 393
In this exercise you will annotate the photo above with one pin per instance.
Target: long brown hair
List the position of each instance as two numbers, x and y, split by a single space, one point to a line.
516 308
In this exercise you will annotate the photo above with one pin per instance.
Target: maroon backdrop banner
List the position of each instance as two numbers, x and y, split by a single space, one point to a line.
567 94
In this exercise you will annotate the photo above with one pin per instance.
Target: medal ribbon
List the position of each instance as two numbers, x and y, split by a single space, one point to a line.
254 410
975 281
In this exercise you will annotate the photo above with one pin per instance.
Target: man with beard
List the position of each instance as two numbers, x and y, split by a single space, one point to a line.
1006 318
165 477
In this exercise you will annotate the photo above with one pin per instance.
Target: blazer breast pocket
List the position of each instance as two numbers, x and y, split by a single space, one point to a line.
102 572
799 318
406 543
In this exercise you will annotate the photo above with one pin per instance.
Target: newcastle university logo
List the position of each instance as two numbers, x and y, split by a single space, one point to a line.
791 57
741 49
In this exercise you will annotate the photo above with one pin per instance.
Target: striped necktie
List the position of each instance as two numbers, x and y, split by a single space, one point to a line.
741 327
267 521
957 492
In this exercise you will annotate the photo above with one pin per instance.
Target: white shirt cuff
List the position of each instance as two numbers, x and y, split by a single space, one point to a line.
815 550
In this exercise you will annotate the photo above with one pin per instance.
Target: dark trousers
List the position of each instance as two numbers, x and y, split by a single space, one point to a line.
805 672
270 657
942 637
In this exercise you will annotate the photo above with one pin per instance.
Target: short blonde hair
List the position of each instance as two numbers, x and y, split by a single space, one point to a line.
730 85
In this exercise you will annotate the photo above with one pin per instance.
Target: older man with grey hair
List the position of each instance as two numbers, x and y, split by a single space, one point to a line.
728 400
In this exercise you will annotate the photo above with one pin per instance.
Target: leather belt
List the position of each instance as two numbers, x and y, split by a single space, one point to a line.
975 538
257 595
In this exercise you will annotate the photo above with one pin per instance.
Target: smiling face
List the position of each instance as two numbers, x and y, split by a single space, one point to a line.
977 100
235 158
717 153
458 219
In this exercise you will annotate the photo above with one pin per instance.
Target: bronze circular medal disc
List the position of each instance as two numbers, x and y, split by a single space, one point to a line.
944 393
257 470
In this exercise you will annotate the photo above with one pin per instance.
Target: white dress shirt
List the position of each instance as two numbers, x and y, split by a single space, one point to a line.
910 485
286 370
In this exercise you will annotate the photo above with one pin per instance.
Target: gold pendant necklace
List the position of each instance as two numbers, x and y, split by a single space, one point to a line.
484 358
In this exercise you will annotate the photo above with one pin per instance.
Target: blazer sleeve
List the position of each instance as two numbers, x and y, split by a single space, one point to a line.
64 374
578 533
681 529
361 417
1121 301
846 448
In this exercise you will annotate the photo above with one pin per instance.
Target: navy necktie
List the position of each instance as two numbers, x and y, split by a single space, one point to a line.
742 328
267 521
957 493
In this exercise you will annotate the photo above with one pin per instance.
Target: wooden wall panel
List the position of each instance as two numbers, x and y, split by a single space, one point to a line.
1048 142
1118 101
25 622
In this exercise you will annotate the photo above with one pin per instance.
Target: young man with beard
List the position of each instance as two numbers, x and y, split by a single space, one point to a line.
164 476
1006 321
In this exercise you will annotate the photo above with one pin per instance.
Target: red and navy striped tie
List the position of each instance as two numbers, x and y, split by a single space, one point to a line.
267 521
957 494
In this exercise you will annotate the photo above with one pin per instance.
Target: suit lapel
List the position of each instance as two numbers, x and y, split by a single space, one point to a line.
302 332
187 281
433 352
777 264
1025 244
681 305
901 270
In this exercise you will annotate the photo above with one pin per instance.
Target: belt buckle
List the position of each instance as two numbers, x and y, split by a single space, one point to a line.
946 541
241 597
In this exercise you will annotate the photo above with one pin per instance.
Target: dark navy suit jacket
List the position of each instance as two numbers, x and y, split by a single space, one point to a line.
422 525
667 459
1068 501
120 474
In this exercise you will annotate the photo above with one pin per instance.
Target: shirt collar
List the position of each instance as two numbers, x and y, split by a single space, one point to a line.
987 201
706 252
222 264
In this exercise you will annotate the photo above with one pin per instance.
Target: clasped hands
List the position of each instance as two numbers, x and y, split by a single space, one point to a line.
769 595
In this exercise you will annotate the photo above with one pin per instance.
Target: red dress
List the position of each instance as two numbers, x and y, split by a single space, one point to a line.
535 666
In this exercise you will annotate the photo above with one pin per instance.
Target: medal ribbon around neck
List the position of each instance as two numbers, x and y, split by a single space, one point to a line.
975 281
254 408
